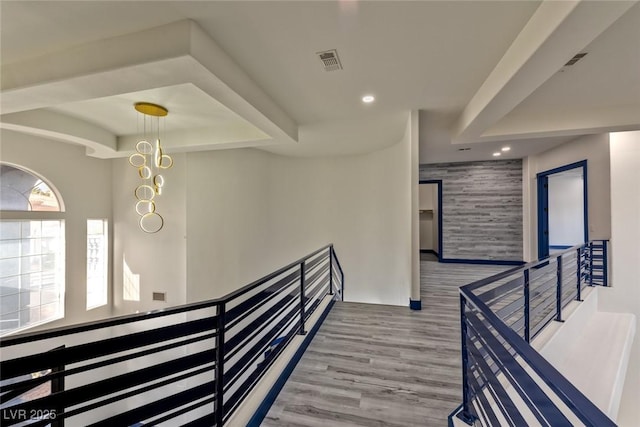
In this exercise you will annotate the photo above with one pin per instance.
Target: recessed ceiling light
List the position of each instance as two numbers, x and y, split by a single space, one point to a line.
368 99
507 148
496 154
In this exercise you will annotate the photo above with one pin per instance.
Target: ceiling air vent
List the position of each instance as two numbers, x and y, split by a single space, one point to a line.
330 60
575 59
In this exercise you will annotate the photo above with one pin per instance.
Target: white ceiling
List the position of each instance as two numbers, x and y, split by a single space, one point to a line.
483 74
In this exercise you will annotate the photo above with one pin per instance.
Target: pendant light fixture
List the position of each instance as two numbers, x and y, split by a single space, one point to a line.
150 161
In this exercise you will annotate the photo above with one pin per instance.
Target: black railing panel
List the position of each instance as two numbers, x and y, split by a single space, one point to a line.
187 365
505 381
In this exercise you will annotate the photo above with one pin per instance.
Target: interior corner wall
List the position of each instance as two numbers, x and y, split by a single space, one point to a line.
84 184
250 212
624 294
594 149
481 209
151 262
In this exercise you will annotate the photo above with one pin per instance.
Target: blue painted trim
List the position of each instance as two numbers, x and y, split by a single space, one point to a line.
453 414
264 407
415 304
438 182
543 216
429 251
543 195
581 163
560 246
481 261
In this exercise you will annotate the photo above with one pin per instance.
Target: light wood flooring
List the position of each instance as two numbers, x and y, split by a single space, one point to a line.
376 365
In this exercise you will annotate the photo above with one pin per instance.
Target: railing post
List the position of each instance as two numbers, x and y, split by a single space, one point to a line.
559 290
331 270
57 386
605 262
465 415
302 280
219 407
527 308
579 274
590 263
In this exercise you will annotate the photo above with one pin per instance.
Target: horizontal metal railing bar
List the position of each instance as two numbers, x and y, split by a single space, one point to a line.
245 361
259 324
91 406
310 265
250 286
483 282
207 420
514 306
542 286
242 310
158 407
484 403
29 384
313 288
105 387
99 324
528 389
313 305
129 318
539 325
73 354
517 324
492 368
247 384
542 304
310 280
568 297
491 296
318 288
584 409
181 411
503 396
542 298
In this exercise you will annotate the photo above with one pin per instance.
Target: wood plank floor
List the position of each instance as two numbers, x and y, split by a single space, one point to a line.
376 365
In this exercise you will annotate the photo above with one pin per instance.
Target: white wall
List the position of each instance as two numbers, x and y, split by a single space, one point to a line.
231 217
248 212
85 186
566 209
625 256
157 260
593 148
229 230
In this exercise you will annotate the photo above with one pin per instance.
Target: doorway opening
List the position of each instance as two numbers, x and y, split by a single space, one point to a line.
562 208
430 207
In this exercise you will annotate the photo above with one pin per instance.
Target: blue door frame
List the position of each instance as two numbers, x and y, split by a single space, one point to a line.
438 182
543 205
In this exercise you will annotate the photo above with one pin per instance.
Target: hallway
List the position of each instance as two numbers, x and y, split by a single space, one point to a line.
376 365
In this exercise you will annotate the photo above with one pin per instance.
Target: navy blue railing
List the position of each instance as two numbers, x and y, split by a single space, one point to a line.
505 381
188 365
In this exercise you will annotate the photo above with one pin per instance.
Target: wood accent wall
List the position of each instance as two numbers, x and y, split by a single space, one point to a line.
481 209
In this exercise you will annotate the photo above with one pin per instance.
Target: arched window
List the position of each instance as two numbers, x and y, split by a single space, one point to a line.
21 190
32 249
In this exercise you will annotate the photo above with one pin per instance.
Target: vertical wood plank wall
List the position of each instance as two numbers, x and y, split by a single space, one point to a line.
481 209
